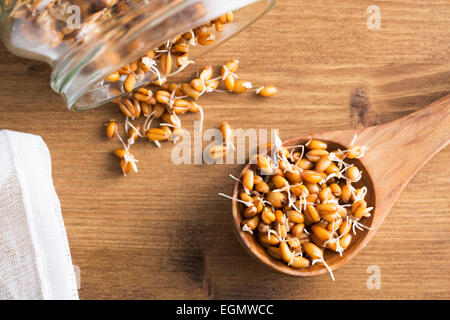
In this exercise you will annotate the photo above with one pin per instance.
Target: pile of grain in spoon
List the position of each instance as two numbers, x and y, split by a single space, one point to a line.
300 201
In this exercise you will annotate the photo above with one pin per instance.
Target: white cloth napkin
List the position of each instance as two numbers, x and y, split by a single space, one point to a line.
35 261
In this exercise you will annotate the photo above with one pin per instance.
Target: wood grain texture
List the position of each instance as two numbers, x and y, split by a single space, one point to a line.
165 233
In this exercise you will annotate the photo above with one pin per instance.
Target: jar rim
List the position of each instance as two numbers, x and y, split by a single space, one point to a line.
79 82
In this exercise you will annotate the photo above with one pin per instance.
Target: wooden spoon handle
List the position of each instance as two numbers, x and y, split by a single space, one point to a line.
400 148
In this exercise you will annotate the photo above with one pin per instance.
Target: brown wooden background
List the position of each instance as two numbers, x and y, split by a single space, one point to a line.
165 233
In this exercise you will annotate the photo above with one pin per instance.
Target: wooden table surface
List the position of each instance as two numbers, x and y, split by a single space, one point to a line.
165 233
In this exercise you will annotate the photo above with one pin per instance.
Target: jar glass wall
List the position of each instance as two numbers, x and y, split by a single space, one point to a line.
86 40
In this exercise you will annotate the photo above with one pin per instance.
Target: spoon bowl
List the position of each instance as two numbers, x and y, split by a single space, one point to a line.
396 151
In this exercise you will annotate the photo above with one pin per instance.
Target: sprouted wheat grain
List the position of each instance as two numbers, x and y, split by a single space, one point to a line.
306 209
162 109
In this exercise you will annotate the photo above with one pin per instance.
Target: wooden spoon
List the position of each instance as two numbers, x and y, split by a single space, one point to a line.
397 150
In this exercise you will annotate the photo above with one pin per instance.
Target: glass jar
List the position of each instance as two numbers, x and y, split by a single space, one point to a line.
84 41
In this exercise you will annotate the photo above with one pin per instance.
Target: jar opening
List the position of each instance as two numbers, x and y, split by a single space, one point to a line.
78 76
